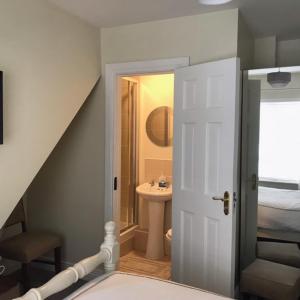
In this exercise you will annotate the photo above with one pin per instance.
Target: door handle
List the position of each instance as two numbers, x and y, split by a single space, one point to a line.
225 201
218 198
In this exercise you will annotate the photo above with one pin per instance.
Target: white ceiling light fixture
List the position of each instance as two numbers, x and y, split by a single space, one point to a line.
213 2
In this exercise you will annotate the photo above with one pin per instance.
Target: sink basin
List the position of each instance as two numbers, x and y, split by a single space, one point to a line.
154 193
156 198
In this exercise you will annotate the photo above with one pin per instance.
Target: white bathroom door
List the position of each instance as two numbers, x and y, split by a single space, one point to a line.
206 132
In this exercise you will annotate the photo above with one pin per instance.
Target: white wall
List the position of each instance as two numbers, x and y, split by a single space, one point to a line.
50 62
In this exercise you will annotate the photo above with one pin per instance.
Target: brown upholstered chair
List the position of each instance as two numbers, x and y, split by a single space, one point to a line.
29 246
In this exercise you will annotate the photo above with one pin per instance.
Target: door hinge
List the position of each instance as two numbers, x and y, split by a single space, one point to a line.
254 181
234 199
115 183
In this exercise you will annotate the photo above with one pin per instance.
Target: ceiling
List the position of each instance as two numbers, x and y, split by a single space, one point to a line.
264 17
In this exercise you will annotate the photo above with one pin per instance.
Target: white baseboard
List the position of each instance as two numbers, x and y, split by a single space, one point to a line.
128 234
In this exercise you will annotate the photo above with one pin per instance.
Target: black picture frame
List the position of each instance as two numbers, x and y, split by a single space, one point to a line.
1 107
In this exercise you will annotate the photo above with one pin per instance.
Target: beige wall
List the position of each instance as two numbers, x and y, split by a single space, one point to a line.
245 45
203 38
264 53
154 91
289 53
67 195
50 62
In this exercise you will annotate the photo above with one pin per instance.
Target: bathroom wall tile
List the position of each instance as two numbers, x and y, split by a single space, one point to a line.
154 168
169 179
168 167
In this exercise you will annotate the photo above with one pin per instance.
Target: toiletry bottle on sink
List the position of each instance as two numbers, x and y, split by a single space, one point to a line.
162 181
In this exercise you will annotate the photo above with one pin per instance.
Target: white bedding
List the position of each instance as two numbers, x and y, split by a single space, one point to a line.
279 198
278 219
278 209
135 287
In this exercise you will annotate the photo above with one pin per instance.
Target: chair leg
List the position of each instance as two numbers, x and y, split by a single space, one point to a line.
57 258
25 277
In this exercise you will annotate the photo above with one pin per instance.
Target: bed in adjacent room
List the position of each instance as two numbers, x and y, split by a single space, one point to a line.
278 209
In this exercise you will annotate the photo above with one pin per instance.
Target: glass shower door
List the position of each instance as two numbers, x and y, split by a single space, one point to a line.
128 154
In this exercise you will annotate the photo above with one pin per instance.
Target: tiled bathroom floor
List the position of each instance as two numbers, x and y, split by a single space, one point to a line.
135 262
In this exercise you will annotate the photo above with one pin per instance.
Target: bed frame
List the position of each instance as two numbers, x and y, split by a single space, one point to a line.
108 255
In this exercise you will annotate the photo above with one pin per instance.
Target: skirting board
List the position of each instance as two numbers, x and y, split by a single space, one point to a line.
127 240
128 234
126 247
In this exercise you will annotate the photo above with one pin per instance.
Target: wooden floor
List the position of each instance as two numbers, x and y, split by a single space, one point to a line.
135 262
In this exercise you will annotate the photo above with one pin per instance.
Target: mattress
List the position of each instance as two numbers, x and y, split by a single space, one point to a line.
279 198
278 209
125 286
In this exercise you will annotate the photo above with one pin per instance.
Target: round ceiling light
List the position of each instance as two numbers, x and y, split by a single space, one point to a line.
213 2
279 79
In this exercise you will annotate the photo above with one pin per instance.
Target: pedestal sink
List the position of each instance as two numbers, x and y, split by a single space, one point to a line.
156 197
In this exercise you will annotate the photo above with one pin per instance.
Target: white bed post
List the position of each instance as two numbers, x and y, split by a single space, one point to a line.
108 255
112 246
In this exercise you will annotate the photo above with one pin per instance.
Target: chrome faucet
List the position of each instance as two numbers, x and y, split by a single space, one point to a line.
163 183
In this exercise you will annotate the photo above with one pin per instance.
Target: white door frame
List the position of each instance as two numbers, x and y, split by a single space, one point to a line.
112 72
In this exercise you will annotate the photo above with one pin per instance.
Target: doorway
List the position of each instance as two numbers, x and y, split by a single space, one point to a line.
206 120
270 219
140 78
146 143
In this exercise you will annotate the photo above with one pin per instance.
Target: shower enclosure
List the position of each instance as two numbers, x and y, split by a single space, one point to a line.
128 201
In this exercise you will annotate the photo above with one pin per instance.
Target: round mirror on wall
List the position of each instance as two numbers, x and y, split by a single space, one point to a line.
159 126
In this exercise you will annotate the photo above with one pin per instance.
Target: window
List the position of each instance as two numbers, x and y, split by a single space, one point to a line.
279 148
